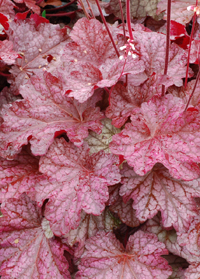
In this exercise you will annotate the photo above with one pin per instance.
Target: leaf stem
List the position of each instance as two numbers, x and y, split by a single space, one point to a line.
107 28
167 42
122 17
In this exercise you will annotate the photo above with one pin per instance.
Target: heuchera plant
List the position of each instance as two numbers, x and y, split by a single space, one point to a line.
100 140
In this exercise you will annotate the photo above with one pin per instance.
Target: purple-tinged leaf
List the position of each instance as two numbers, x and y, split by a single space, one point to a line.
92 60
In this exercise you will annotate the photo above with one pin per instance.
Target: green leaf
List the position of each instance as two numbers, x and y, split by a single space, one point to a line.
44 14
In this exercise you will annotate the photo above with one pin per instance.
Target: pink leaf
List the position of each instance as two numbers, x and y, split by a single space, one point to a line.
159 191
27 247
151 46
184 93
105 257
75 181
125 211
168 237
93 60
179 10
161 132
7 54
193 271
191 249
7 8
35 44
18 175
88 227
92 42
30 4
43 112
123 101
85 77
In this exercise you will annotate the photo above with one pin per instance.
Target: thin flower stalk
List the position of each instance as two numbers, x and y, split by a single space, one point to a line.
191 38
167 42
107 28
90 8
195 85
128 19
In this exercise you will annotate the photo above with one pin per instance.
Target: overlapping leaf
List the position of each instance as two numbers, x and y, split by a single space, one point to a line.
30 4
93 60
158 191
101 142
45 112
88 227
105 257
179 10
184 93
7 8
17 176
7 54
75 181
178 264
139 8
190 245
27 247
123 101
151 46
40 48
162 132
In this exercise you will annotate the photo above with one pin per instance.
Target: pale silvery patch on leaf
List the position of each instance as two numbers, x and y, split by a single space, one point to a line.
101 141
